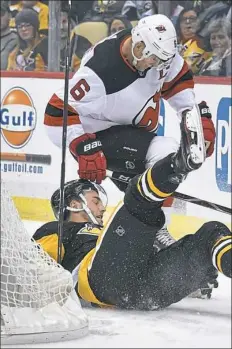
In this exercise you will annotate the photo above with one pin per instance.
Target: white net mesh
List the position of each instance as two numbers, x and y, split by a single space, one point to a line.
31 281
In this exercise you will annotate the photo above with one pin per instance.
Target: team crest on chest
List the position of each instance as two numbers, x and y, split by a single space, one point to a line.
148 117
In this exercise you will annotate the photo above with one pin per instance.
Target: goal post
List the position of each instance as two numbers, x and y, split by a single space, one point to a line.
38 300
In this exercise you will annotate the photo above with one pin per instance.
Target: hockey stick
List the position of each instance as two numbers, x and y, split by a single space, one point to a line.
64 139
202 202
177 195
25 157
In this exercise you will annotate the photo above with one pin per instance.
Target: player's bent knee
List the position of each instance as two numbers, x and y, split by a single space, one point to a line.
147 212
216 227
159 148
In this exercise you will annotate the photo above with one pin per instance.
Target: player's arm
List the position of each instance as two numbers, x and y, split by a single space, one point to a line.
86 101
178 90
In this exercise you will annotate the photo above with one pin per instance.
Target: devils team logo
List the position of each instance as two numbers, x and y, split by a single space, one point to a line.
161 28
18 117
148 117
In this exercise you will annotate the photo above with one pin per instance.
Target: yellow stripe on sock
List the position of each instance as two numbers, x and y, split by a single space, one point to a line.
154 188
227 237
139 188
220 255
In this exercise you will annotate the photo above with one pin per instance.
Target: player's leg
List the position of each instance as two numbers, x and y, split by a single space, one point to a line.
129 150
122 256
125 148
179 270
127 243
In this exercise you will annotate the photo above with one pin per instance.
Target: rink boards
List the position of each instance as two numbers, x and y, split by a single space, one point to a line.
30 162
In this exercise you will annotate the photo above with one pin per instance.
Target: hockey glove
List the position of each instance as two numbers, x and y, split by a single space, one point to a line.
87 150
208 128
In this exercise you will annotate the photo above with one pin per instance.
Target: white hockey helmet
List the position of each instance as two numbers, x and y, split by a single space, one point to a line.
159 36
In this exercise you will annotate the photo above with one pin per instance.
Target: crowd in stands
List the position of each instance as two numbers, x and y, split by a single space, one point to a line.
203 29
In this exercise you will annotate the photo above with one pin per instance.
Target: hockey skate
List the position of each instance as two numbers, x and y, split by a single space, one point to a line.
163 239
192 152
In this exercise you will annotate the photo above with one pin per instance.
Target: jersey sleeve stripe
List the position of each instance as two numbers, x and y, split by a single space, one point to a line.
57 112
54 121
54 113
178 88
57 102
184 74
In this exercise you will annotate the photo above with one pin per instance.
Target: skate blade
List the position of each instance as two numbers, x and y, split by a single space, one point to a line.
193 126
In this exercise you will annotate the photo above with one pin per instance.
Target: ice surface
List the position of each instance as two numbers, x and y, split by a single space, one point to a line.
191 323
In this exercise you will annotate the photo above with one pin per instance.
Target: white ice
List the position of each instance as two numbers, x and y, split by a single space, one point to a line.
191 323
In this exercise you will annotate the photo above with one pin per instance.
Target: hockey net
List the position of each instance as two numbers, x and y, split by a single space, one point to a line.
38 299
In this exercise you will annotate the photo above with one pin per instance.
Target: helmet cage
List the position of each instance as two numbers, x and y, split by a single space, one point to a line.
75 190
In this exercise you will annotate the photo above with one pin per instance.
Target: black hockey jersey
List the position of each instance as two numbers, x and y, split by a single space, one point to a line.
78 239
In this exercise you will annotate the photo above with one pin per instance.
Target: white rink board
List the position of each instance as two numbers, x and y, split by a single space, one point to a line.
211 182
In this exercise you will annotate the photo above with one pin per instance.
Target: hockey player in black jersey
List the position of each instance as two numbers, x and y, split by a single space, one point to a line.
115 265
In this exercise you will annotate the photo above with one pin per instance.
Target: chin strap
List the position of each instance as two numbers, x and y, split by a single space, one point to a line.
84 208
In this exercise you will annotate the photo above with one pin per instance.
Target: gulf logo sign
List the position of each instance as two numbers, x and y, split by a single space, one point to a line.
18 117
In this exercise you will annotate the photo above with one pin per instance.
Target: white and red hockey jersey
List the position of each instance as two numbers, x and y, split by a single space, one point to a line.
108 91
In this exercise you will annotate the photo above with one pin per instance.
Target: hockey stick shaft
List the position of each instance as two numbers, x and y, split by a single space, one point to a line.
64 139
24 157
178 195
202 202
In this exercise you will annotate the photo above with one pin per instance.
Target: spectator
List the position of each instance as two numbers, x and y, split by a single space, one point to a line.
103 10
40 8
217 10
220 40
191 46
177 6
118 23
186 25
8 38
137 9
79 44
31 52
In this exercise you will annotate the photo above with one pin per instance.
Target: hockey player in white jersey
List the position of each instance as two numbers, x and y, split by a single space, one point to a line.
114 101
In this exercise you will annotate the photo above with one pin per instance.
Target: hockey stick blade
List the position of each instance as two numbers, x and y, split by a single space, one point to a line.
178 195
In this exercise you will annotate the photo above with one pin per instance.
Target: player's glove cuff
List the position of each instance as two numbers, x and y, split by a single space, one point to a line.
86 144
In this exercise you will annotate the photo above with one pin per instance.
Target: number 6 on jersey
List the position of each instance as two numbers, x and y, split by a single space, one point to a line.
81 87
